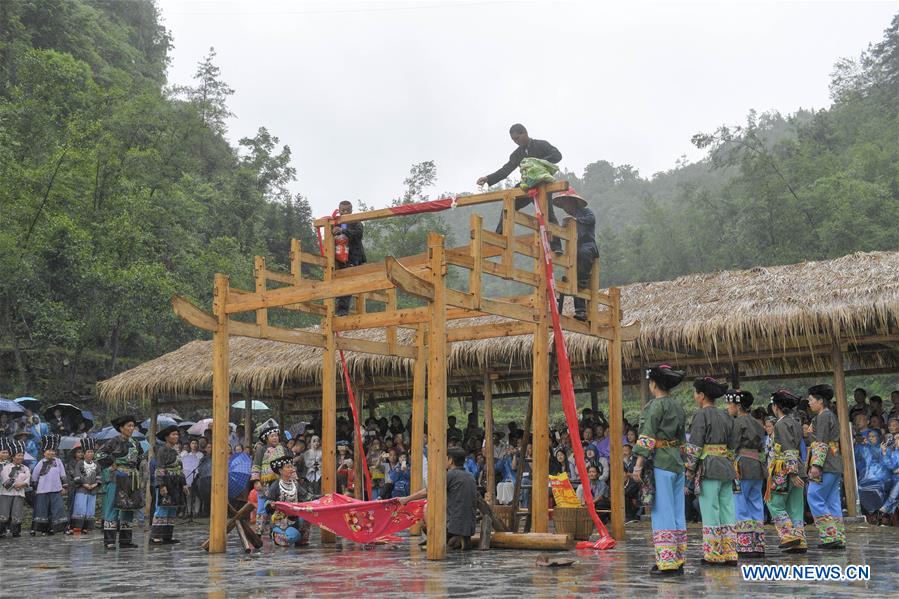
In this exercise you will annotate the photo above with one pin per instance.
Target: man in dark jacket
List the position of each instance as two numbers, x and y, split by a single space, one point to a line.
527 147
353 232
576 208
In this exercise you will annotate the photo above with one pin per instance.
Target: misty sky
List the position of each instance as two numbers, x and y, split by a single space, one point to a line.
361 90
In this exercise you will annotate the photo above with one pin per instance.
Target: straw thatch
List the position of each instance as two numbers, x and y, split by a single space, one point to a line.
774 319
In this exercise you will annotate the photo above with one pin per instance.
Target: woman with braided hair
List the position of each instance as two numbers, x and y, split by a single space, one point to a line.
749 464
786 472
825 470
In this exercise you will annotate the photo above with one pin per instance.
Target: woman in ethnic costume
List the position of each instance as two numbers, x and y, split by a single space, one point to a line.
708 461
262 474
826 470
170 487
661 435
86 481
749 462
49 474
287 530
786 472
15 478
120 459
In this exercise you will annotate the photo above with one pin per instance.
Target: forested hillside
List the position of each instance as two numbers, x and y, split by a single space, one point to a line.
119 190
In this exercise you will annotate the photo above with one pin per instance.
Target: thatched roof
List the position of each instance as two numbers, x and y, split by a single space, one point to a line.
773 320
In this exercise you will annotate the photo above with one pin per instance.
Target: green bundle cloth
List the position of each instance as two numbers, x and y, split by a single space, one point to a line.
535 171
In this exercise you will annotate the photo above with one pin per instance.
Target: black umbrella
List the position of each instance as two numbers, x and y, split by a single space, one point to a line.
70 415
29 403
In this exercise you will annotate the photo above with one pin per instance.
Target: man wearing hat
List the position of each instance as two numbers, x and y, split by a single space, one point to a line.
170 486
86 481
662 433
262 474
576 208
50 476
287 530
527 148
29 440
826 469
708 463
786 472
120 459
749 443
15 477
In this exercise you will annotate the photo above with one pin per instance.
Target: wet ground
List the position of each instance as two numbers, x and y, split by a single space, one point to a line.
80 567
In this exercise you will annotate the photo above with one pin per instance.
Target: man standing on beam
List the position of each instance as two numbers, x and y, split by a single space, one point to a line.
527 148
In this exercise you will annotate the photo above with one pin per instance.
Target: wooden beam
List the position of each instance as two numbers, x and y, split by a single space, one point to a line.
248 422
401 277
847 448
616 424
419 372
489 331
313 290
461 201
512 274
218 516
391 331
279 277
372 320
488 440
540 392
259 276
474 275
151 455
436 549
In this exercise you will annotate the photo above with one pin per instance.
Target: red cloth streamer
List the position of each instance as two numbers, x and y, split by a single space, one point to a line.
357 425
359 521
567 386
432 206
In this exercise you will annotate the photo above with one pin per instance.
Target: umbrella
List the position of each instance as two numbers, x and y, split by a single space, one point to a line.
10 407
239 467
69 412
69 442
88 419
162 421
201 426
298 429
268 423
254 405
186 424
109 433
29 403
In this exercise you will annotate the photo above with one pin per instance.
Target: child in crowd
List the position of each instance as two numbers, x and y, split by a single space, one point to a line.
86 480
14 479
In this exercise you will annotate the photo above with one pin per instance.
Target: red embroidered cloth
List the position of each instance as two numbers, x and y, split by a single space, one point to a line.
356 520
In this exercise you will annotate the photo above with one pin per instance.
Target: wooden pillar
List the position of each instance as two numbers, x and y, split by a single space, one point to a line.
437 403
248 420
594 396
419 372
644 388
616 426
218 518
540 392
474 406
488 440
151 438
846 447
329 387
735 375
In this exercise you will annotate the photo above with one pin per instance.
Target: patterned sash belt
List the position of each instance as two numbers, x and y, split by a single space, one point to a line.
749 453
719 450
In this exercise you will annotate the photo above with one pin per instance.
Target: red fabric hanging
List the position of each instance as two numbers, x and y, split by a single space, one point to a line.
567 386
432 206
359 521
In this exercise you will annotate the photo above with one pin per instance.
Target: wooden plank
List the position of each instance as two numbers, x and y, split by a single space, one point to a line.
461 201
509 213
313 290
316 259
404 316
474 275
847 451
489 331
401 277
280 277
218 517
296 261
526 220
259 276
510 310
616 425
540 393
419 371
151 455
391 331
515 274
436 549
190 314
536 541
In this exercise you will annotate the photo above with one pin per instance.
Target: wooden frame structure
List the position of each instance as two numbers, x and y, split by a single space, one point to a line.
423 277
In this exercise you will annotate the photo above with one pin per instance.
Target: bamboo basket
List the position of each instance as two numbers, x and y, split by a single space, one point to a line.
574 521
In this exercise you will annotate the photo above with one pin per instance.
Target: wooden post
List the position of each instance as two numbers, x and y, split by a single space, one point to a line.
644 389
474 406
540 394
847 450
259 275
616 427
509 233
151 438
329 388
474 275
594 397
488 440
248 420
221 399
419 372
735 375
437 403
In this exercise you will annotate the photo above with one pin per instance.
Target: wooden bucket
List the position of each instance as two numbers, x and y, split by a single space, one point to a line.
574 521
